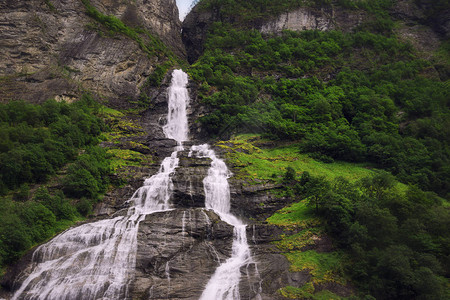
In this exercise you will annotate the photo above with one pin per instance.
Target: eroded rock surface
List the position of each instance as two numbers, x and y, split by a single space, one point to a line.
178 251
306 18
57 50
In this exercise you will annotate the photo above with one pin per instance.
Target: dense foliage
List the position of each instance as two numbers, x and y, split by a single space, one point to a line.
398 243
36 142
360 96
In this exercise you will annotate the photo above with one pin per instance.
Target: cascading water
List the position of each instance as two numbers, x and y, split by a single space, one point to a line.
224 284
177 124
97 260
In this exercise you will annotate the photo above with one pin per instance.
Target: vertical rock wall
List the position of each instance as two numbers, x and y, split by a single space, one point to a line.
54 49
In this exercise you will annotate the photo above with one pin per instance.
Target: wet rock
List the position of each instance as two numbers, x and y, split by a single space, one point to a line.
188 181
273 267
195 27
178 251
255 201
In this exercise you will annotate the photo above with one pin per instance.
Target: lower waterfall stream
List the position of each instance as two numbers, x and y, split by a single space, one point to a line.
224 284
97 260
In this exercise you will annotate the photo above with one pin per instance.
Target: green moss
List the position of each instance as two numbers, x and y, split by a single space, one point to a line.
150 44
326 295
124 157
323 267
50 5
109 112
305 292
271 164
300 240
120 127
298 214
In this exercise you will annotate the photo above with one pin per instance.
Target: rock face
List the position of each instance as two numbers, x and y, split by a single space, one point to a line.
422 30
195 28
57 50
188 181
178 251
306 18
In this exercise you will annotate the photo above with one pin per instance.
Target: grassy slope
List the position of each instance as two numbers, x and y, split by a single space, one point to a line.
254 165
258 163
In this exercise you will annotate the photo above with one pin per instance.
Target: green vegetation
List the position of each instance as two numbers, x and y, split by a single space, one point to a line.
243 12
393 244
37 141
368 214
343 106
125 157
323 267
246 13
352 97
50 5
153 47
271 163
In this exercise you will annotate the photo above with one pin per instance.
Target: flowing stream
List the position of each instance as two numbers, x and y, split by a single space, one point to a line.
97 260
224 284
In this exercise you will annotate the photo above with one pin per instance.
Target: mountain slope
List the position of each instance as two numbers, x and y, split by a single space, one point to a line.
58 49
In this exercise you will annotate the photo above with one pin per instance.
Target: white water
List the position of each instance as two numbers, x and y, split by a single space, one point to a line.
177 124
97 260
224 284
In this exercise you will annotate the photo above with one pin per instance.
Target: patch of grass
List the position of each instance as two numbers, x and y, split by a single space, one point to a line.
298 214
271 164
124 157
307 292
326 295
109 112
324 267
300 240
120 126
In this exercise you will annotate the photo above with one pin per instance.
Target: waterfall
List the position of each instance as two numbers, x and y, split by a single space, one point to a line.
224 284
97 260
177 124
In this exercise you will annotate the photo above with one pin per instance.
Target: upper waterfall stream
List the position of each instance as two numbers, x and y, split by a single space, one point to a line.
97 260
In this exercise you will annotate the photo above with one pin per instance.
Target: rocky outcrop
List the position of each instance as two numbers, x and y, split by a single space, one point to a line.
159 17
425 12
188 181
54 49
195 27
418 27
178 251
307 18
